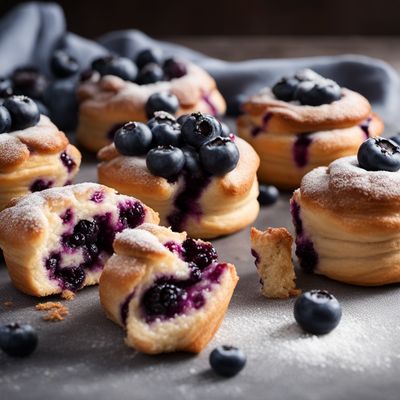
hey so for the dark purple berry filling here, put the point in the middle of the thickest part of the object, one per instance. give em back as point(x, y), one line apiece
point(187, 201)
point(199, 253)
point(67, 216)
point(40, 184)
point(131, 214)
point(256, 257)
point(365, 126)
point(300, 150)
point(125, 307)
point(258, 129)
point(68, 162)
point(174, 248)
point(97, 196)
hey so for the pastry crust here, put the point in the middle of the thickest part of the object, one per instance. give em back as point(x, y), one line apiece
point(140, 258)
point(227, 203)
point(108, 102)
point(35, 154)
point(281, 164)
point(31, 229)
point(351, 218)
point(273, 251)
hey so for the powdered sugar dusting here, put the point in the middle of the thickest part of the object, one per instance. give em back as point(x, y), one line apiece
point(142, 239)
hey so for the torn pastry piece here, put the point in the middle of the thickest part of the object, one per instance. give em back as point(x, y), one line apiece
point(272, 250)
point(168, 291)
point(59, 239)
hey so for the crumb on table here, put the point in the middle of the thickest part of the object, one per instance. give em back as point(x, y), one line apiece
point(67, 295)
point(56, 310)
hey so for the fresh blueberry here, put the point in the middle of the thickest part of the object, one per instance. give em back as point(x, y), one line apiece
point(317, 312)
point(165, 161)
point(219, 156)
point(133, 139)
point(225, 131)
point(318, 93)
point(150, 73)
point(6, 87)
point(5, 120)
point(162, 117)
point(268, 195)
point(181, 120)
point(200, 128)
point(192, 160)
point(379, 154)
point(63, 65)
point(163, 299)
point(60, 98)
point(395, 139)
point(23, 111)
point(174, 68)
point(162, 101)
point(285, 89)
point(87, 75)
point(118, 66)
point(227, 361)
point(165, 134)
point(18, 340)
point(28, 81)
point(148, 56)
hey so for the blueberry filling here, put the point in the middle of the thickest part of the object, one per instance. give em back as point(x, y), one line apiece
point(211, 105)
point(40, 184)
point(305, 251)
point(300, 150)
point(174, 248)
point(93, 239)
point(256, 257)
point(187, 200)
point(258, 129)
point(68, 162)
point(365, 127)
point(125, 308)
point(97, 196)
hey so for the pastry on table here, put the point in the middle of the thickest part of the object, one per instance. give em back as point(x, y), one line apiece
point(303, 122)
point(198, 179)
point(59, 239)
point(272, 250)
point(167, 291)
point(346, 216)
point(34, 154)
point(117, 91)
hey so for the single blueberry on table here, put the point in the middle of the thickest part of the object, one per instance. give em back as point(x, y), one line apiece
point(166, 134)
point(219, 156)
point(5, 120)
point(28, 81)
point(23, 111)
point(227, 361)
point(148, 56)
point(63, 65)
point(162, 101)
point(150, 73)
point(284, 89)
point(165, 161)
point(174, 68)
point(199, 128)
point(268, 195)
point(6, 87)
point(379, 154)
point(133, 139)
point(317, 312)
point(18, 340)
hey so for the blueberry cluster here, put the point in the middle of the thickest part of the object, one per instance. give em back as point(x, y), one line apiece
point(379, 154)
point(18, 112)
point(308, 88)
point(195, 143)
point(148, 67)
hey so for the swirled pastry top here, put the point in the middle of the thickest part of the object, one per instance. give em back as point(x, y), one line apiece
point(17, 146)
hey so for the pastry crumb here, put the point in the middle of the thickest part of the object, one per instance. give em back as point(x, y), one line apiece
point(67, 295)
point(56, 310)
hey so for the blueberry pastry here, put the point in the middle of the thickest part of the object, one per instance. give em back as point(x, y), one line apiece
point(34, 154)
point(272, 250)
point(168, 292)
point(303, 122)
point(346, 216)
point(118, 90)
point(59, 239)
point(198, 179)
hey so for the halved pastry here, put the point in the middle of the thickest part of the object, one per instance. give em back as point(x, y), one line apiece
point(60, 238)
point(168, 291)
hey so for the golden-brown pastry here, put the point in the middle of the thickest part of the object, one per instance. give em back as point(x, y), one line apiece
point(169, 292)
point(108, 102)
point(272, 250)
point(34, 159)
point(59, 239)
point(292, 138)
point(347, 223)
point(199, 203)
